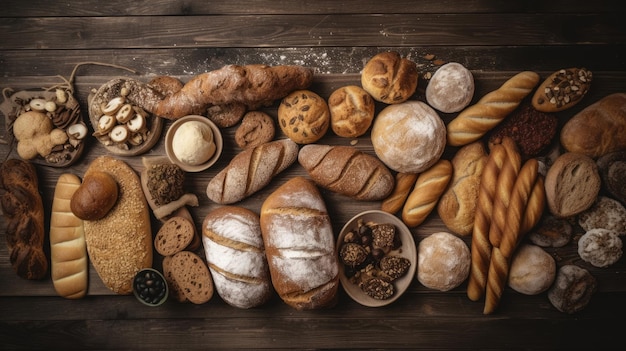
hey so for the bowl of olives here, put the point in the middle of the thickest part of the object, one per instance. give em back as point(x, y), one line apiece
point(150, 287)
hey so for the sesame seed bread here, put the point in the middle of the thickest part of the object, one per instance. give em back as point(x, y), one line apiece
point(120, 244)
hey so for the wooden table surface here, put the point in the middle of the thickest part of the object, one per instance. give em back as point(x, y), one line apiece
point(41, 40)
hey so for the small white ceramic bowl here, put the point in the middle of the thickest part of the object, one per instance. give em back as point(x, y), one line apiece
point(407, 250)
point(217, 139)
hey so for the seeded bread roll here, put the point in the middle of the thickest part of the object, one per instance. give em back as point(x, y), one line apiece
point(351, 111)
point(303, 116)
point(299, 244)
point(347, 171)
point(68, 251)
point(572, 184)
point(389, 78)
point(451, 88)
point(234, 250)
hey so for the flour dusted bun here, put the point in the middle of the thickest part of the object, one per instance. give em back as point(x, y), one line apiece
point(390, 78)
point(351, 111)
point(572, 289)
point(234, 250)
point(443, 261)
point(600, 247)
point(605, 213)
point(300, 245)
point(409, 137)
point(451, 88)
point(532, 270)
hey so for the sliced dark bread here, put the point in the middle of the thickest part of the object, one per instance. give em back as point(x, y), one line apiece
point(176, 234)
point(192, 275)
point(174, 289)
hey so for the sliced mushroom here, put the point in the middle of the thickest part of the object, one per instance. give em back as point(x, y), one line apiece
point(137, 123)
point(38, 104)
point(106, 123)
point(124, 114)
point(113, 105)
point(119, 134)
point(77, 131)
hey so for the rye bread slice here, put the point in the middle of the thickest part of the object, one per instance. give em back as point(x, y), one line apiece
point(174, 289)
point(192, 275)
point(174, 236)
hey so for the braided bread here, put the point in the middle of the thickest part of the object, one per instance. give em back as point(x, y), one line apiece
point(481, 247)
point(428, 189)
point(403, 185)
point(476, 120)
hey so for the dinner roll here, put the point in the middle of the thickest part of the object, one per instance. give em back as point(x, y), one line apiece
point(443, 261)
point(303, 116)
point(390, 78)
point(409, 137)
point(351, 111)
point(451, 88)
point(532, 270)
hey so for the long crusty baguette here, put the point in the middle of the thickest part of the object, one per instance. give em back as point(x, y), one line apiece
point(347, 171)
point(68, 250)
point(22, 207)
point(481, 246)
point(476, 120)
point(501, 255)
point(427, 191)
point(251, 170)
point(252, 85)
point(403, 185)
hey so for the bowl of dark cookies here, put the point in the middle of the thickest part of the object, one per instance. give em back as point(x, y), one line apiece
point(377, 258)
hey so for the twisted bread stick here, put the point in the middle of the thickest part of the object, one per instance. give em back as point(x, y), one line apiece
point(428, 189)
point(404, 183)
point(473, 122)
point(506, 180)
point(481, 247)
point(501, 255)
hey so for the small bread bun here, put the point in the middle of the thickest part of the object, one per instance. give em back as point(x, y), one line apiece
point(605, 213)
point(389, 78)
point(226, 115)
point(612, 167)
point(572, 289)
point(304, 116)
point(451, 88)
point(600, 247)
point(532, 270)
point(551, 232)
point(256, 128)
point(443, 261)
point(95, 197)
point(351, 111)
point(409, 137)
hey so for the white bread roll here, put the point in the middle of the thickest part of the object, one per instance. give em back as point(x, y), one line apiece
point(409, 137)
point(299, 244)
point(532, 270)
point(234, 250)
point(443, 261)
point(451, 88)
point(68, 251)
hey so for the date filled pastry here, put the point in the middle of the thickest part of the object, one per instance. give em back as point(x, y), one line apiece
point(303, 116)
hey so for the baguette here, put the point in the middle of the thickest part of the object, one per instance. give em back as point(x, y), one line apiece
point(476, 120)
point(22, 207)
point(251, 170)
point(403, 185)
point(252, 85)
point(427, 191)
point(68, 250)
point(347, 171)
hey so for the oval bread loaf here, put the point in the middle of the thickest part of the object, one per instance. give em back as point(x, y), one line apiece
point(236, 256)
point(68, 251)
point(299, 244)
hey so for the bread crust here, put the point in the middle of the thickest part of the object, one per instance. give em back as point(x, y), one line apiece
point(428, 189)
point(403, 185)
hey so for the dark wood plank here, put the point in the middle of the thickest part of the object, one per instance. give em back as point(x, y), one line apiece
point(404, 30)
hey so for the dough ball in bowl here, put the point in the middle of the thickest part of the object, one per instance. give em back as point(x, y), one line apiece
point(409, 137)
point(443, 261)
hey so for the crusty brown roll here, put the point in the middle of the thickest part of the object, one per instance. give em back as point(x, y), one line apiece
point(303, 116)
point(351, 111)
point(390, 78)
point(68, 250)
point(22, 207)
point(256, 128)
point(116, 255)
point(476, 120)
point(403, 185)
point(299, 244)
point(95, 196)
point(234, 250)
point(457, 206)
point(347, 171)
point(251, 170)
point(427, 191)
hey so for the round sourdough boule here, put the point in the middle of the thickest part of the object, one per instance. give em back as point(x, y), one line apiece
point(303, 116)
point(451, 88)
point(600, 247)
point(532, 270)
point(409, 137)
point(95, 197)
point(389, 78)
point(572, 289)
point(572, 184)
point(351, 111)
point(605, 213)
point(443, 261)
point(256, 128)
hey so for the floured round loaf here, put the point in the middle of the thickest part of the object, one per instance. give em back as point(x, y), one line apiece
point(443, 261)
point(451, 88)
point(120, 243)
point(299, 244)
point(532, 270)
point(409, 137)
point(234, 250)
